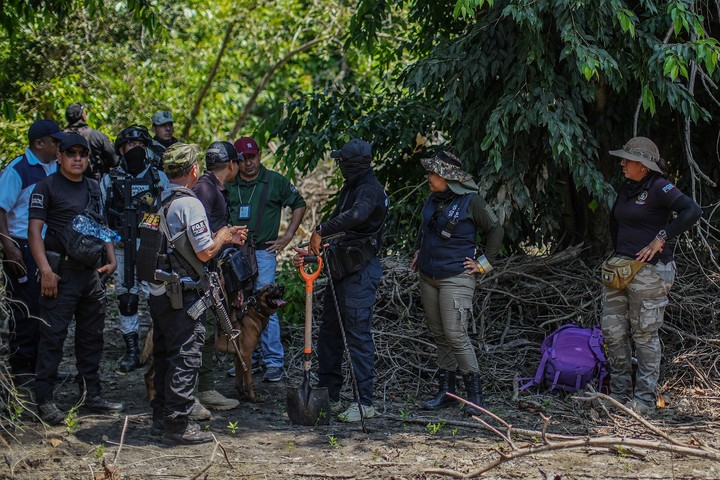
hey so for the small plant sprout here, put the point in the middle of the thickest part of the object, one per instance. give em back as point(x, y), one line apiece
point(99, 451)
point(233, 426)
point(433, 428)
point(333, 442)
point(71, 423)
point(404, 414)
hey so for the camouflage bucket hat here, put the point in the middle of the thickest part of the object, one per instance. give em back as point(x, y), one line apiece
point(179, 156)
point(447, 165)
point(642, 150)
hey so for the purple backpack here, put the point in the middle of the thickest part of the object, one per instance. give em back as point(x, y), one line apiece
point(571, 358)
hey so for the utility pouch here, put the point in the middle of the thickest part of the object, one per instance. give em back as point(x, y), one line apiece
point(342, 260)
point(53, 259)
point(84, 249)
point(618, 272)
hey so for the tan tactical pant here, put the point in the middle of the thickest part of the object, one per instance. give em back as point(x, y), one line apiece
point(448, 308)
point(636, 312)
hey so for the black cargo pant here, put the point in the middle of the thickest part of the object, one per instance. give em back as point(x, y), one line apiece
point(80, 295)
point(25, 291)
point(177, 348)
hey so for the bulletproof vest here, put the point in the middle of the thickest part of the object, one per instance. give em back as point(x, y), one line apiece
point(155, 251)
point(143, 191)
point(448, 236)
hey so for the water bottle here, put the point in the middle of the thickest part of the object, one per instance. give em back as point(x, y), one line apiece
point(86, 226)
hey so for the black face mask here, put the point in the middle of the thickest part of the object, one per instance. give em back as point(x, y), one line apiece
point(135, 160)
point(350, 168)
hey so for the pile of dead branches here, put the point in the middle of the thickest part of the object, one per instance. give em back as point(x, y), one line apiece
point(524, 299)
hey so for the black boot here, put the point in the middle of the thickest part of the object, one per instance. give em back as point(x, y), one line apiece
point(95, 402)
point(179, 431)
point(446, 382)
point(158, 423)
point(474, 392)
point(131, 360)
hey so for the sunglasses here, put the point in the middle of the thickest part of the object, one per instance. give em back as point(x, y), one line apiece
point(77, 153)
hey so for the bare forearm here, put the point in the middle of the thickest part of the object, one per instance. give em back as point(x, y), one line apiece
point(295, 220)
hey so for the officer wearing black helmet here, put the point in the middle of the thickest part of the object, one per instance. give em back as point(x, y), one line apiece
point(127, 192)
point(221, 161)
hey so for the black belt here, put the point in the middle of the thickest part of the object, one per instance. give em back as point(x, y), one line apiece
point(19, 241)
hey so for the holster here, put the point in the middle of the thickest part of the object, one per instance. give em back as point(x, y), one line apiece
point(53, 259)
point(174, 292)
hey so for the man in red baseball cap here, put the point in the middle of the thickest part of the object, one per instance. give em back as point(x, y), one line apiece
point(257, 198)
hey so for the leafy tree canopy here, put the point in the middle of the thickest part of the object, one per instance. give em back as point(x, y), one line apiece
point(531, 95)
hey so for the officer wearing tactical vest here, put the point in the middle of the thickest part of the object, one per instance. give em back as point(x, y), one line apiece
point(175, 245)
point(127, 192)
point(16, 184)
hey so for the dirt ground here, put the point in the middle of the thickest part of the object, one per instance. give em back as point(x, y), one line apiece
point(257, 441)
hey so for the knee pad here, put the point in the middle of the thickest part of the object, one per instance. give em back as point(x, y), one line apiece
point(128, 304)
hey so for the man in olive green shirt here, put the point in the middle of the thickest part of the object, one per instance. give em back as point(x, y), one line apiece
point(256, 199)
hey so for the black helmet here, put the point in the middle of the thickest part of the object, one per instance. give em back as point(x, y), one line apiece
point(221, 152)
point(132, 133)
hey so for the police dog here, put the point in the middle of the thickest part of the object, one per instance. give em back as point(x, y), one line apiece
point(250, 323)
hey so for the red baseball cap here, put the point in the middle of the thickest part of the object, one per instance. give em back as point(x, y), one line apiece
point(246, 145)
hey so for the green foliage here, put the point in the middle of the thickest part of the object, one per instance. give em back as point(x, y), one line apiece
point(333, 441)
point(294, 311)
point(232, 426)
point(434, 428)
point(531, 95)
point(99, 451)
point(71, 423)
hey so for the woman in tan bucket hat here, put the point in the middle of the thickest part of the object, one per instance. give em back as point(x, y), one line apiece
point(449, 261)
point(641, 228)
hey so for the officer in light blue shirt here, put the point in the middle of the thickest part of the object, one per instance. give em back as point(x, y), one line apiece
point(17, 181)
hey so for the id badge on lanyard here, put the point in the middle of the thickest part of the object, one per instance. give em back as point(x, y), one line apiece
point(244, 212)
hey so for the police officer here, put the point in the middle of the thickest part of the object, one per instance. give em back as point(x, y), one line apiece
point(360, 213)
point(16, 184)
point(221, 161)
point(68, 288)
point(163, 128)
point(177, 337)
point(127, 192)
point(102, 156)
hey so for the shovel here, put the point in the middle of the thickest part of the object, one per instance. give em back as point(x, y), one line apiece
point(308, 405)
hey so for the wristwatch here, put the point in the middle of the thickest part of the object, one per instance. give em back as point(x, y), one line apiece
point(662, 235)
point(318, 230)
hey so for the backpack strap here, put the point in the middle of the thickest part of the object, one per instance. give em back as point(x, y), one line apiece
point(180, 242)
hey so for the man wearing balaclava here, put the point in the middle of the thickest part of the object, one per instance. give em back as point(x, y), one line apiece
point(355, 275)
point(127, 192)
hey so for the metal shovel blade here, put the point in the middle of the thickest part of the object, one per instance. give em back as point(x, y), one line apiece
point(308, 405)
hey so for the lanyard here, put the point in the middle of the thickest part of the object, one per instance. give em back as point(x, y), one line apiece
point(251, 194)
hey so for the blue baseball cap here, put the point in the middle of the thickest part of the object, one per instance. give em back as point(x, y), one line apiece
point(44, 128)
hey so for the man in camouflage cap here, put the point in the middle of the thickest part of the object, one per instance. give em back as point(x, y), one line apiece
point(163, 129)
point(174, 331)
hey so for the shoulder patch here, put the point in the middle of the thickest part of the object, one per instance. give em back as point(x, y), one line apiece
point(37, 200)
point(293, 189)
point(668, 187)
point(198, 228)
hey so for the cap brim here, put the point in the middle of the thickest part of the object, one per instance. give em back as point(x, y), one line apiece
point(58, 135)
point(335, 154)
point(636, 158)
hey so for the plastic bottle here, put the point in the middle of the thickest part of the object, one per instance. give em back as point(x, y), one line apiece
point(87, 226)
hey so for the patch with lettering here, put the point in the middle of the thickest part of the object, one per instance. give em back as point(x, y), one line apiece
point(150, 221)
point(37, 200)
point(198, 228)
point(292, 188)
point(668, 187)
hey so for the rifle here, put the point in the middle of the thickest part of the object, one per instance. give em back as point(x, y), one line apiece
point(214, 298)
point(129, 222)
